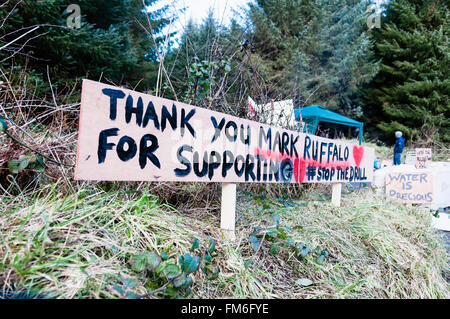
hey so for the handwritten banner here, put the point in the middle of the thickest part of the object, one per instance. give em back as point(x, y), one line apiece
point(410, 187)
point(126, 135)
point(423, 157)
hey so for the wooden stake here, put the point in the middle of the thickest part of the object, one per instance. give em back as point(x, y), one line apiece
point(336, 194)
point(228, 211)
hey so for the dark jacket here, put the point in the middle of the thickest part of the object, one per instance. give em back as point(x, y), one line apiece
point(399, 145)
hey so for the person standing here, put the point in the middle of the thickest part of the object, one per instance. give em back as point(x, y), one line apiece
point(398, 148)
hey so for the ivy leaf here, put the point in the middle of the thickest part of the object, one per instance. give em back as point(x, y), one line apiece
point(153, 261)
point(215, 274)
point(129, 283)
point(282, 234)
point(171, 271)
point(207, 258)
point(304, 250)
point(255, 242)
point(14, 165)
point(188, 282)
point(274, 249)
point(18, 165)
point(190, 264)
point(272, 232)
point(253, 239)
point(212, 246)
point(171, 292)
point(164, 256)
point(179, 281)
point(119, 290)
point(38, 164)
point(131, 295)
point(3, 126)
point(305, 282)
point(139, 262)
point(195, 244)
point(322, 257)
point(40, 161)
point(291, 242)
point(160, 269)
point(207, 268)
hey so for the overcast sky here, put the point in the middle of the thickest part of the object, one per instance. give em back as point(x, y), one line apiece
point(198, 10)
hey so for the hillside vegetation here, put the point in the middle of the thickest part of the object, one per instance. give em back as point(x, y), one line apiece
point(83, 245)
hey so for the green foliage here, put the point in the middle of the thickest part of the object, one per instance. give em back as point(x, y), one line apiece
point(41, 237)
point(125, 290)
point(25, 161)
point(149, 261)
point(411, 91)
point(205, 64)
point(276, 239)
point(171, 279)
point(110, 44)
point(28, 161)
point(203, 74)
point(189, 264)
point(316, 52)
point(195, 245)
point(339, 59)
point(3, 126)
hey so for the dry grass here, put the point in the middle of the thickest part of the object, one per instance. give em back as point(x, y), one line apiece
point(79, 246)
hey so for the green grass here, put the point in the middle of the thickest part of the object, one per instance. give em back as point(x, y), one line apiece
point(80, 245)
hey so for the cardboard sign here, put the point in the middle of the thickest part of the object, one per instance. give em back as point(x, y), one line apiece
point(423, 157)
point(415, 187)
point(130, 136)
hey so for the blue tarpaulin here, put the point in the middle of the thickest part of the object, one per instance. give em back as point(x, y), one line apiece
point(314, 114)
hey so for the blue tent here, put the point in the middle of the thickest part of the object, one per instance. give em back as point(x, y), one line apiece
point(314, 114)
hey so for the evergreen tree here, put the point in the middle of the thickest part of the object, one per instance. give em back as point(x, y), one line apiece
point(110, 45)
point(411, 91)
point(337, 59)
point(315, 51)
point(277, 30)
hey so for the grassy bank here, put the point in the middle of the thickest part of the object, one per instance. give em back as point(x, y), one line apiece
point(82, 245)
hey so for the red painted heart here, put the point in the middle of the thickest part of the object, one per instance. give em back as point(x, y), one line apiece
point(358, 153)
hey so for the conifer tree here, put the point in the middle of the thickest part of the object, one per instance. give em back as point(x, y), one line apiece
point(110, 45)
point(411, 91)
point(315, 51)
point(338, 59)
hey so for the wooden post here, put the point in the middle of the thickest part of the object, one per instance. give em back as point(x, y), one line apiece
point(336, 194)
point(228, 211)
